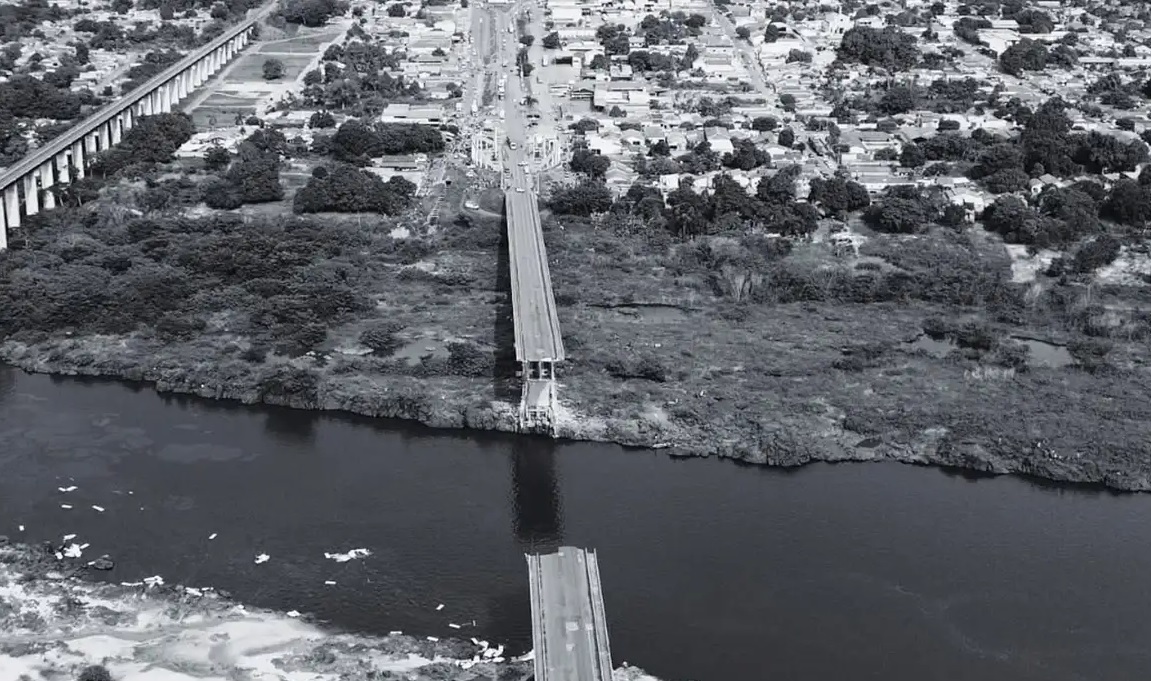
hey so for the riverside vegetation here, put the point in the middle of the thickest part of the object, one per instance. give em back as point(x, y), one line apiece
point(718, 340)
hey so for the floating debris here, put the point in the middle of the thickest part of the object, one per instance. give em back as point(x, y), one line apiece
point(439, 607)
point(66, 506)
point(395, 633)
point(212, 536)
point(193, 592)
point(154, 581)
point(350, 555)
point(329, 582)
point(453, 626)
point(70, 488)
point(97, 508)
point(262, 558)
point(69, 537)
point(433, 639)
point(293, 613)
point(21, 528)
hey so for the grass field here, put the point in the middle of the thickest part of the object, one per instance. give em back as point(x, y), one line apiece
point(250, 68)
point(299, 45)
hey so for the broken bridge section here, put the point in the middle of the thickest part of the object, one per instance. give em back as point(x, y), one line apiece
point(569, 628)
point(538, 341)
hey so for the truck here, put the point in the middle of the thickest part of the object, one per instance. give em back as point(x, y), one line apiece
point(475, 108)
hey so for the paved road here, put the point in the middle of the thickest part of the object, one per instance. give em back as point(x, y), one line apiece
point(570, 632)
point(537, 327)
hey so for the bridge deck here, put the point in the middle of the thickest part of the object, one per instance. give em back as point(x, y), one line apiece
point(569, 628)
point(537, 326)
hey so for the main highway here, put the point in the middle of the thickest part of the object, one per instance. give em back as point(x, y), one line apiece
point(537, 330)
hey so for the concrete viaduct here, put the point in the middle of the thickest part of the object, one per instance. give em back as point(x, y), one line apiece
point(28, 187)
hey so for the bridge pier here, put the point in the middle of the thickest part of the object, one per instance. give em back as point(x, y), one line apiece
point(29, 186)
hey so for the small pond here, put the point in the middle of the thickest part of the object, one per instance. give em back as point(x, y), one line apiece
point(1041, 353)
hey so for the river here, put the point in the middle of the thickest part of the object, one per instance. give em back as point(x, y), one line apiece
point(712, 571)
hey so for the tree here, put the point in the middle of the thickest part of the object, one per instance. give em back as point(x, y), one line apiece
point(96, 672)
point(273, 69)
point(888, 47)
point(771, 34)
point(347, 189)
point(764, 123)
point(585, 198)
point(912, 156)
point(896, 216)
point(312, 13)
point(796, 56)
point(839, 195)
point(397, 10)
point(1025, 55)
point(590, 163)
point(217, 158)
point(122, 6)
point(898, 99)
point(599, 62)
point(321, 119)
point(551, 41)
point(743, 33)
point(527, 40)
point(786, 137)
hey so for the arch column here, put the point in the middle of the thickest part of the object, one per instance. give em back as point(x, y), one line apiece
point(47, 181)
point(78, 158)
point(11, 208)
point(63, 171)
point(31, 194)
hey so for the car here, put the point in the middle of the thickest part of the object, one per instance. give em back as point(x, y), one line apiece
point(523, 164)
point(520, 189)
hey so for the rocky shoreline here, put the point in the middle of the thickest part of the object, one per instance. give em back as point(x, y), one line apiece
point(54, 623)
point(451, 403)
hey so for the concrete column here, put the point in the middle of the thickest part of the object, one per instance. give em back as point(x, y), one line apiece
point(31, 194)
point(62, 171)
point(47, 181)
point(182, 85)
point(78, 158)
point(105, 142)
point(115, 132)
point(127, 119)
point(11, 208)
point(90, 143)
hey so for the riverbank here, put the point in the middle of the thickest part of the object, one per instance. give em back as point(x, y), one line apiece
point(699, 348)
point(829, 384)
point(55, 623)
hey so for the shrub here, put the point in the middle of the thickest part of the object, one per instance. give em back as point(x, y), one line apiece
point(217, 158)
point(1090, 353)
point(96, 672)
point(273, 69)
point(382, 338)
point(466, 359)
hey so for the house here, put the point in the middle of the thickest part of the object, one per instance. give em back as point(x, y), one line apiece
point(405, 163)
point(408, 113)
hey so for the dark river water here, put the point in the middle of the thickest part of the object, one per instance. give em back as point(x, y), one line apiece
point(712, 571)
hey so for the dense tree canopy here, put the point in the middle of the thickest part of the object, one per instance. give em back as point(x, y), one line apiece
point(889, 48)
point(344, 188)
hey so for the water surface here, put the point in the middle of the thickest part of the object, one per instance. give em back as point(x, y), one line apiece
point(712, 571)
